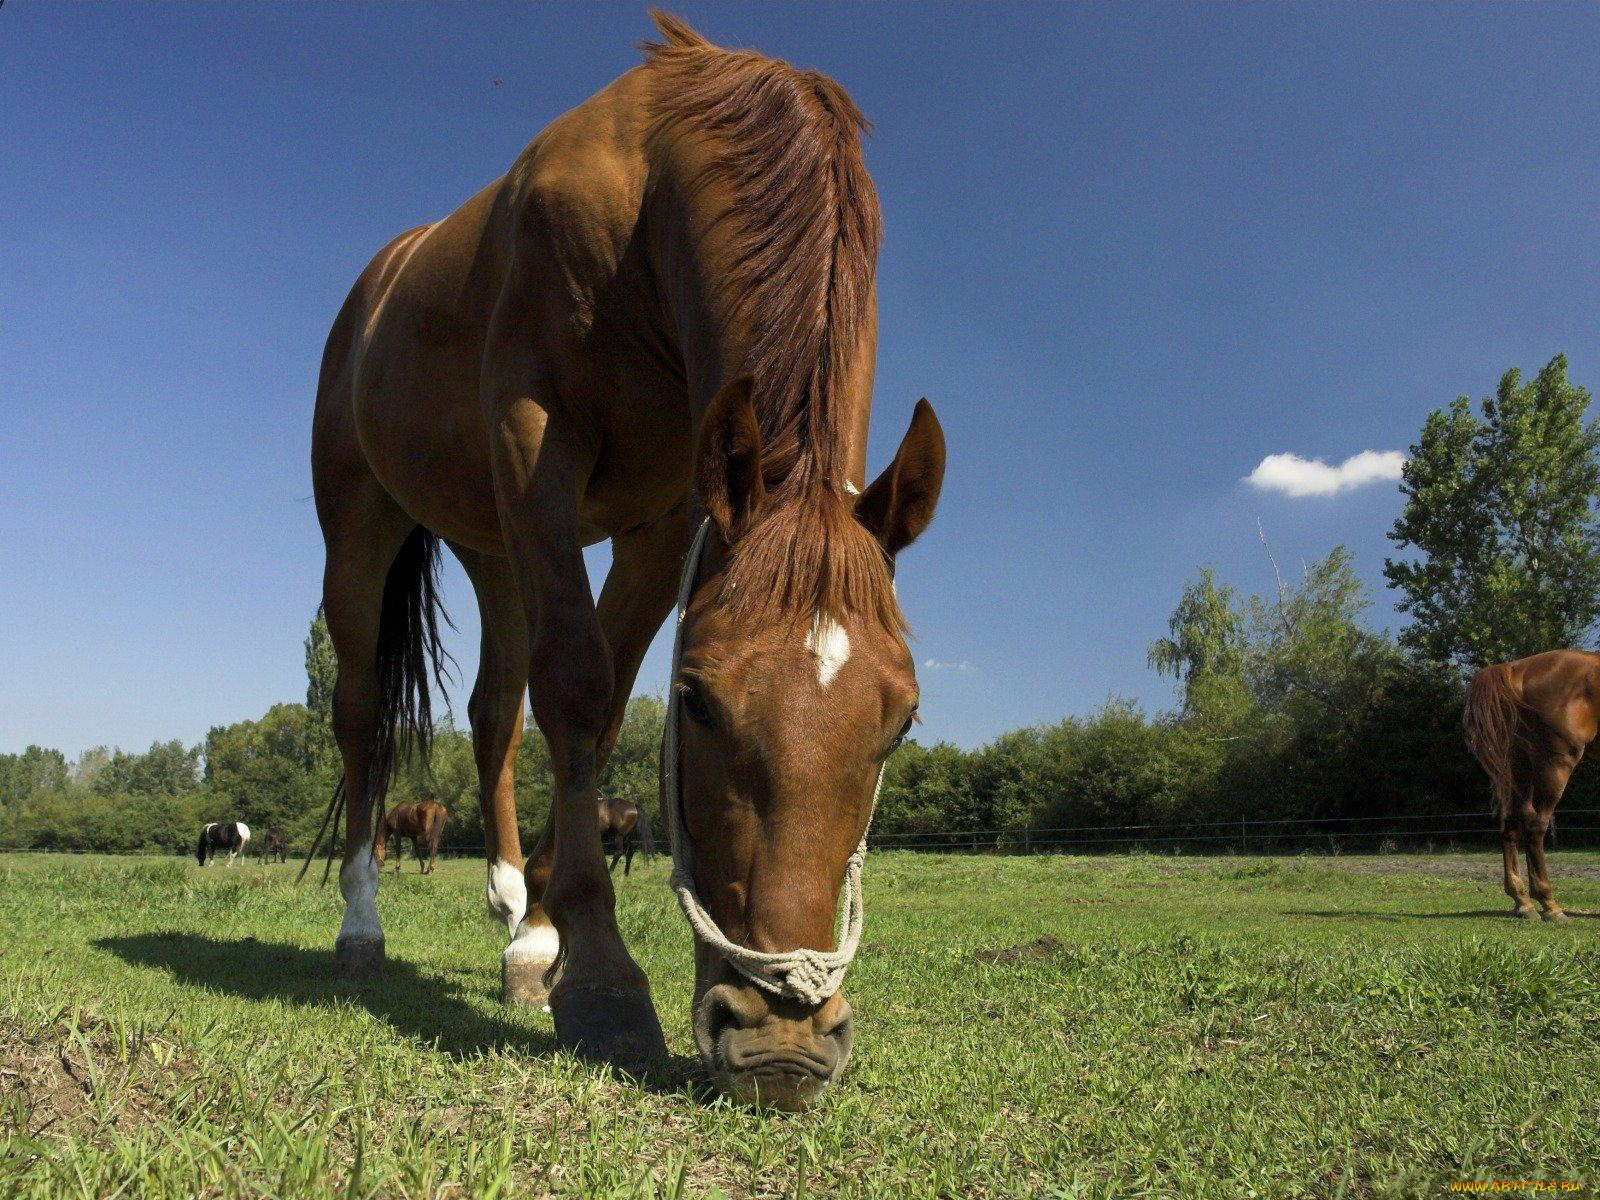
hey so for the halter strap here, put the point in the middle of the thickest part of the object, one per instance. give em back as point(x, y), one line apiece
point(809, 976)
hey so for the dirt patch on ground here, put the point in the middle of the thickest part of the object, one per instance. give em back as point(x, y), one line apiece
point(1039, 950)
point(68, 1078)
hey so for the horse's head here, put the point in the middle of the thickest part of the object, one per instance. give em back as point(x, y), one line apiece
point(794, 686)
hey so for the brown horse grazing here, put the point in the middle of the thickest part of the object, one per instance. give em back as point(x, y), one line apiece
point(423, 823)
point(1528, 723)
point(274, 846)
point(664, 310)
point(628, 826)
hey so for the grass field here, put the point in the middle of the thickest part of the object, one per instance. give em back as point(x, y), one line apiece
point(1197, 1027)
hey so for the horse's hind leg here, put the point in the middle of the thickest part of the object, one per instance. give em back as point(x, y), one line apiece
point(1549, 782)
point(1510, 832)
point(435, 835)
point(364, 530)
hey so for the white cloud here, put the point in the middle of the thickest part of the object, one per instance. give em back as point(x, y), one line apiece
point(1296, 476)
point(933, 664)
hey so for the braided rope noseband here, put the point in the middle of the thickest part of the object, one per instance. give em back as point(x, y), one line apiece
point(809, 976)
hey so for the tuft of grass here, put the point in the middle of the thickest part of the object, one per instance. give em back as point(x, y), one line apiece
point(1062, 1027)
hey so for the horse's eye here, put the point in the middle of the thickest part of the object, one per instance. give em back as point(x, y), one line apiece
point(694, 704)
point(905, 730)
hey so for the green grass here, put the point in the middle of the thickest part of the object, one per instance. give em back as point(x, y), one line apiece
point(1206, 1027)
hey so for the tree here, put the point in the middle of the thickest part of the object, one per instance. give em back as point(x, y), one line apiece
point(166, 769)
point(1501, 518)
point(1311, 647)
point(322, 674)
point(1206, 635)
point(34, 772)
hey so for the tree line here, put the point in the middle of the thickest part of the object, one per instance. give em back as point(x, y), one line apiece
point(1288, 705)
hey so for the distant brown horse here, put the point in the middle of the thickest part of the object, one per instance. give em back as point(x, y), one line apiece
point(665, 312)
point(274, 845)
point(628, 826)
point(1528, 723)
point(423, 823)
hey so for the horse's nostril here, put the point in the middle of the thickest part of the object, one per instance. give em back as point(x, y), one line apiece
point(835, 1020)
point(725, 1008)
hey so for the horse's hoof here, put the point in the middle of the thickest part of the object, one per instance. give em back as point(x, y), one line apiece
point(358, 958)
point(1525, 912)
point(522, 982)
point(614, 1025)
point(1556, 917)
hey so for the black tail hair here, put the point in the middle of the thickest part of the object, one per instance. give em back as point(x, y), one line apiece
point(409, 651)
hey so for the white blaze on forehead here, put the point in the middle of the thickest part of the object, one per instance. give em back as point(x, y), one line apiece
point(831, 645)
point(508, 894)
point(358, 882)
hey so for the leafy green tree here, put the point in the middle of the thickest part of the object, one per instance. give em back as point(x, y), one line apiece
point(1206, 637)
point(34, 772)
point(634, 769)
point(1500, 517)
point(1312, 651)
point(166, 769)
point(322, 674)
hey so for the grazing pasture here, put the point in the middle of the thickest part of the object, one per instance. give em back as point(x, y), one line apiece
point(1052, 1026)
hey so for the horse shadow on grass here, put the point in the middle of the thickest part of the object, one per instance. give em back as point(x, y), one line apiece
point(431, 1007)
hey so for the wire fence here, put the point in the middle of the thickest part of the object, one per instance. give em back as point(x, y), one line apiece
point(1425, 832)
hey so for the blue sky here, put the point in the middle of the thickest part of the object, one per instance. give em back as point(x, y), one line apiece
point(1131, 251)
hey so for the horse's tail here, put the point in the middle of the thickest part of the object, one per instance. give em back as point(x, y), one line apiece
point(335, 807)
point(1490, 719)
point(409, 651)
point(647, 837)
point(200, 846)
point(436, 819)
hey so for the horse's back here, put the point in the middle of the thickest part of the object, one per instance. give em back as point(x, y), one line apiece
point(1563, 688)
point(554, 242)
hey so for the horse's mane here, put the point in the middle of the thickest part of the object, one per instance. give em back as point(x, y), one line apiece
point(805, 229)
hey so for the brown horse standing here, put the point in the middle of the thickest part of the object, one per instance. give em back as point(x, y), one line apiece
point(274, 845)
point(423, 823)
point(664, 311)
point(629, 826)
point(1528, 723)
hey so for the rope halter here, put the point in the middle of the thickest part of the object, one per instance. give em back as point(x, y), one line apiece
point(806, 975)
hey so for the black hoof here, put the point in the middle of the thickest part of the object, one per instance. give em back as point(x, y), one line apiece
point(522, 982)
point(614, 1025)
point(358, 958)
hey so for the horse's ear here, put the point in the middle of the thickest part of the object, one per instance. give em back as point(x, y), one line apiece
point(900, 503)
point(727, 472)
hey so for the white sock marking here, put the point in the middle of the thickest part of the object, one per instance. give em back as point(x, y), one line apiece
point(831, 645)
point(358, 882)
point(507, 894)
point(538, 943)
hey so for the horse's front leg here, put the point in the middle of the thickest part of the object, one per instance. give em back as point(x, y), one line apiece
point(601, 1001)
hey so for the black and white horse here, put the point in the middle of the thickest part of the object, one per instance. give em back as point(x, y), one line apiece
point(232, 836)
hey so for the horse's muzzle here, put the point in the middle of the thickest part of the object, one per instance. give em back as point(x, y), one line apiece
point(769, 1051)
